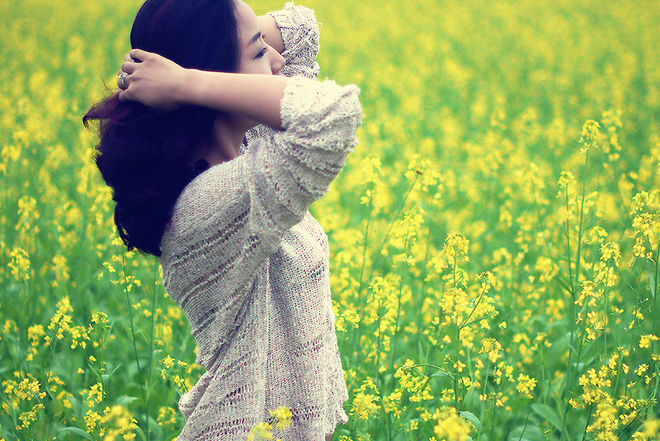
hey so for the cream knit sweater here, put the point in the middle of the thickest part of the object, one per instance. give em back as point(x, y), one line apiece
point(248, 264)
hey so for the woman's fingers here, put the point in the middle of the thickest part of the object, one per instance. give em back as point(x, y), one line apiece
point(149, 79)
point(122, 95)
point(131, 60)
point(138, 55)
point(128, 67)
point(122, 82)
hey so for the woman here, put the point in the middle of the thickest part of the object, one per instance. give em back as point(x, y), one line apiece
point(228, 218)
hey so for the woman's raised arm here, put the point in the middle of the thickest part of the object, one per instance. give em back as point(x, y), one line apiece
point(162, 84)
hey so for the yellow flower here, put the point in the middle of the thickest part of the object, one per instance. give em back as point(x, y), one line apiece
point(525, 385)
point(492, 347)
point(652, 428)
point(450, 426)
point(19, 264)
point(99, 317)
point(456, 248)
point(261, 431)
point(30, 416)
point(95, 393)
point(166, 416)
point(119, 421)
point(590, 135)
point(93, 419)
point(459, 366)
point(645, 340)
point(566, 178)
point(168, 362)
point(283, 416)
point(364, 405)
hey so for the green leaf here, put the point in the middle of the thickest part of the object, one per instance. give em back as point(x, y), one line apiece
point(75, 431)
point(471, 418)
point(548, 414)
point(442, 374)
point(652, 285)
point(125, 400)
point(140, 432)
point(526, 433)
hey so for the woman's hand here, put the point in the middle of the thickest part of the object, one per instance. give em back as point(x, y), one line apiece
point(152, 80)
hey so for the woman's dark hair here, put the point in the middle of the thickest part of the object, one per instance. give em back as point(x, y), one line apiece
point(145, 155)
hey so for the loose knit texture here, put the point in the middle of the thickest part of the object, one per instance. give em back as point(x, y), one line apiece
point(249, 266)
point(300, 33)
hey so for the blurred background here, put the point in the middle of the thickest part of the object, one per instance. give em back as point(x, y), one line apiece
point(494, 237)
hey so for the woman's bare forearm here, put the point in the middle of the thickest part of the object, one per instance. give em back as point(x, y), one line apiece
point(257, 97)
point(162, 84)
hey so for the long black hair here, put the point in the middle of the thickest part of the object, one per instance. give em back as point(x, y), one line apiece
point(145, 155)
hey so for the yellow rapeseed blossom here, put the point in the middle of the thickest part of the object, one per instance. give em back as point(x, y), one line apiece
point(27, 214)
point(168, 362)
point(364, 405)
point(450, 426)
point(95, 394)
point(605, 422)
point(262, 431)
point(61, 270)
point(493, 348)
point(166, 416)
point(525, 385)
point(119, 422)
point(645, 340)
point(93, 420)
point(456, 248)
point(283, 417)
point(19, 264)
point(444, 147)
point(651, 428)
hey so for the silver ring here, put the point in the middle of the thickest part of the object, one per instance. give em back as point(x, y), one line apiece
point(121, 78)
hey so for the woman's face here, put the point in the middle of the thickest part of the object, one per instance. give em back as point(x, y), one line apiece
point(256, 56)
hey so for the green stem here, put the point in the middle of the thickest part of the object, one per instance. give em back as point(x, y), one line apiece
point(423, 286)
point(525, 426)
point(135, 351)
point(396, 216)
point(358, 336)
point(373, 267)
point(380, 339)
point(586, 425)
point(154, 308)
point(398, 310)
point(570, 374)
point(467, 321)
point(458, 339)
point(654, 329)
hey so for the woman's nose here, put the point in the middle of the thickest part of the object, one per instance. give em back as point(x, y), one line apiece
point(277, 62)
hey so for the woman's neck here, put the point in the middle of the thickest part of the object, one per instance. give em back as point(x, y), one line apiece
point(226, 142)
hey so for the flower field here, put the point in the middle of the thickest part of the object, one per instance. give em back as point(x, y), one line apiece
point(494, 237)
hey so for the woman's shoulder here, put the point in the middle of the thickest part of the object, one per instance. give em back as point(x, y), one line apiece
point(217, 192)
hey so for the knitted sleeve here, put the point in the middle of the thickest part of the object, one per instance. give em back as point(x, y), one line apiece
point(300, 33)
point(232, 217)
